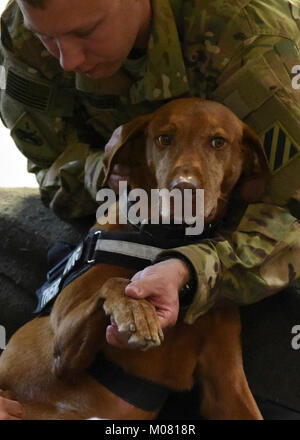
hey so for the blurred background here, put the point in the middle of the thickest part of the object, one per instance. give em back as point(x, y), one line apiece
point(13, 171)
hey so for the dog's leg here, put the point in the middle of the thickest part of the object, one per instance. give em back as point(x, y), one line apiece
point(79, 323)
point(80, 317)
point(225, 390)
point(78, 337)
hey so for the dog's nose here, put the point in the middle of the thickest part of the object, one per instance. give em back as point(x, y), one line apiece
point(183, 183)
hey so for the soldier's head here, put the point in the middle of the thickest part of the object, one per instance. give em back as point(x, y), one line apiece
point(91, 36)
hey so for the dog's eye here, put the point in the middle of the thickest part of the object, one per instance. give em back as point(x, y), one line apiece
point(218, 142)
point(164, 139)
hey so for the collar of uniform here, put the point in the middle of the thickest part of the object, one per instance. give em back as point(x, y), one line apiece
point(165, 74)
point(135, 67)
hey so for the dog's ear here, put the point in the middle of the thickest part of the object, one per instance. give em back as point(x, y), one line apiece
point(127, 145)
point(256, 173)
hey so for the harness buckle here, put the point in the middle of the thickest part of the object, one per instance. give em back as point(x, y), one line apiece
point(91, 248)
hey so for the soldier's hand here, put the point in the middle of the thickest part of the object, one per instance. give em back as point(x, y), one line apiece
point(10, 409)
point(159, 284)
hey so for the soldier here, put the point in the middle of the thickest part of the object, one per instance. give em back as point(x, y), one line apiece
point(78, 70)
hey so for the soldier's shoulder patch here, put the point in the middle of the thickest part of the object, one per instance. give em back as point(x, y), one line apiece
point(30, 140)
point(279, 146)
point(32, 93)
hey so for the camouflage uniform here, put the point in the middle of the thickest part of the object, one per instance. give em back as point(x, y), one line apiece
point(238, 52)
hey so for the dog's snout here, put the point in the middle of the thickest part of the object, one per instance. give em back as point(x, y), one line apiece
point(183, 183)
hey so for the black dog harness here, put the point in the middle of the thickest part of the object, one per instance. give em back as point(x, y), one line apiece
point(134, 250)
point(129, 249)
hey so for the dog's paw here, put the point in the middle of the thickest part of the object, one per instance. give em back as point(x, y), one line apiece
point(134, 317)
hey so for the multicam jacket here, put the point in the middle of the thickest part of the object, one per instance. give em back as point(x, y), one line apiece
point(241, 53)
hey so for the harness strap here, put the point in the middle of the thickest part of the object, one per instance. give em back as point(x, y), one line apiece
point(135, 250)
point(141, 393)
point(120, 249)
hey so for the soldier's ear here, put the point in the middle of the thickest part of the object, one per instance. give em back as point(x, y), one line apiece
point(127, 145)
point(256, 173)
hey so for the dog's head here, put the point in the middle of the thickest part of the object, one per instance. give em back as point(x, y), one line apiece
point(193, 144)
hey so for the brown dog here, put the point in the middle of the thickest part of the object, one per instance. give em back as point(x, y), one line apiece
point(188, 143)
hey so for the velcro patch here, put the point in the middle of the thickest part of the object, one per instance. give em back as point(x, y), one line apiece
point(31, 141)
point(279, 146)
point(34, 94)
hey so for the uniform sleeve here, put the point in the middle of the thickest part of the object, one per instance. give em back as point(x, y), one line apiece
point(64, 165)
point(262, 255)
point(47, 122)
point(67, 185)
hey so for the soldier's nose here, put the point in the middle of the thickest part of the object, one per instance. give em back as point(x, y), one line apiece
point(71, 55)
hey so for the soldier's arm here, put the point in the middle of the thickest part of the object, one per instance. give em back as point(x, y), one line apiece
point(263, 255)
point(259, 259)
point(47, 122)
